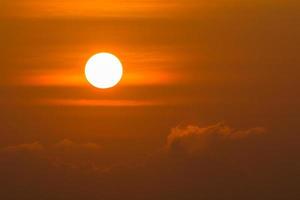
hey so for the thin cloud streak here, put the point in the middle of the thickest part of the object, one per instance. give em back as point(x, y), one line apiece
point(63, 78)
point(98, 103)
point(89, 8)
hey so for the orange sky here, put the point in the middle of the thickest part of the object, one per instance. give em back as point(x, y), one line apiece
point(208, 107)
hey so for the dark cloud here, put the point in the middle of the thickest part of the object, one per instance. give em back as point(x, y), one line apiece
point(66, 154)
point(226, 163)
point(193, 139)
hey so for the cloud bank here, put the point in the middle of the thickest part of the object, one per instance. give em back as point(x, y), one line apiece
point(199, 162)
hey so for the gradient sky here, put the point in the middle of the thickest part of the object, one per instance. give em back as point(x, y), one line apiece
point(208, 107)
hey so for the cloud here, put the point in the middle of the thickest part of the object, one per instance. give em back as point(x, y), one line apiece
point(28, 147)
point(193, 139)
point(64, 154)
point(63, 144)
point(69, 144)
point(251, 168)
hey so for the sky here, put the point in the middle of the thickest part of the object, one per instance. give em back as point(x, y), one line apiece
point(208, 106)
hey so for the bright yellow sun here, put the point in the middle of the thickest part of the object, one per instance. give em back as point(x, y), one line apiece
point(103, 70)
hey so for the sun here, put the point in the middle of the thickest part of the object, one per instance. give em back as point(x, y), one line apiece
point(103, 70)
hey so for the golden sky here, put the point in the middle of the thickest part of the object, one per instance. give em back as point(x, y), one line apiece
point(208, 107)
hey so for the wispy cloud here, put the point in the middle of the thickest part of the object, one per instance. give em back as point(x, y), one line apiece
point(98, 103)
point(89, 8)
point(29, 147)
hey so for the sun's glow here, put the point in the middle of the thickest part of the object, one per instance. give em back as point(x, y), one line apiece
point(103, 70)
